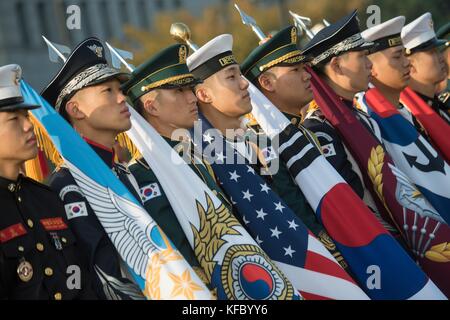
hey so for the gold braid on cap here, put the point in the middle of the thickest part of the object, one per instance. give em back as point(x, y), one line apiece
point(283, 59)
point(176, 80)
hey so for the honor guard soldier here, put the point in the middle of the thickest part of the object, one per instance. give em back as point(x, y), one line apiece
point(443, 33)
point(390, 66)
point(340, 59)
point(277, 69)
point(161, 90)
point(38, 252)
point(428, 68)
point(87, 93)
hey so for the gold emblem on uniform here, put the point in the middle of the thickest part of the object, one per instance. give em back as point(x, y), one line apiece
point(25, 271)
point(182, 54)
point(294, 35)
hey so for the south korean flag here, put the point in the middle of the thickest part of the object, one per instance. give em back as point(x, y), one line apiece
point(149, 192)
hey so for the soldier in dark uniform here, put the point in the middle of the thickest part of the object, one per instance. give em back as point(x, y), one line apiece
point(444, 94)
point(39, 255)
point(86, 92)
point(428, 66)
point(340, 59)
point(161, 91)
point(277, 69)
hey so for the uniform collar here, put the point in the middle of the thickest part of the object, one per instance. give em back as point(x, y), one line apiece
point(348, 103)
point(294, 118)
point(10, 185)
point(107, 154)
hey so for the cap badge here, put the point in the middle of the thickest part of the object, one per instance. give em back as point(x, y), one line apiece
point(97, 50)
point(182, 54)
point(294, 35)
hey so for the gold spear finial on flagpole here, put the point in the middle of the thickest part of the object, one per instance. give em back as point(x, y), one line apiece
point(180, 32)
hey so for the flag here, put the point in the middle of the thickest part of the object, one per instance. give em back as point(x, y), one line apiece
point(438, 130)
point(235, 265)
point(156, 266)
point(424, 226)
point(366, 246)
point(281, 234)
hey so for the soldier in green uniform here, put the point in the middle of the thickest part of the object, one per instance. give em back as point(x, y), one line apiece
point(161, 91)
point(224, 101)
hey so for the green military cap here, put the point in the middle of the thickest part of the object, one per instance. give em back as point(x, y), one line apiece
point(165, 70)
point(281, 49)
point(443, 33)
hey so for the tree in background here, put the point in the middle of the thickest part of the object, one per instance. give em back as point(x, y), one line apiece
point(223, 18)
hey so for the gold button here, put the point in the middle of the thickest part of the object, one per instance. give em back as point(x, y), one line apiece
point(21, 249)
point(48, 271)
point(30, 223)
point(294, 121)
point(58, 296)
point(40, 246)
point(64, 240)
point(12, 187)
point(19, 199)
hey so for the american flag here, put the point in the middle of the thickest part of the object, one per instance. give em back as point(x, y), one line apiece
point(280, 233)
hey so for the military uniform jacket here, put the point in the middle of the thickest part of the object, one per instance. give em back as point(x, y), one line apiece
point(158, 206)
point(333, 149)
point(110, 281)
point(38, 252)
point(283, 184)
point(440, 106)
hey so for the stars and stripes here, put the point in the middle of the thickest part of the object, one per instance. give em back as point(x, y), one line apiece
point(281, 234)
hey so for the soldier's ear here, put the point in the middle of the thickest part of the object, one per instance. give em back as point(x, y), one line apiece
point(73, 110)
point(150, 105)
point(203, 94)
point(335, 65)
point(265, 81)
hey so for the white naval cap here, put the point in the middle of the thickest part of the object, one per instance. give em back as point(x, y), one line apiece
point(419, 35)
point(10, 94)
point(386, 34)
point(212, 57)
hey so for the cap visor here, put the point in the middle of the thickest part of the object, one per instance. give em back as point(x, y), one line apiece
point(20, 106)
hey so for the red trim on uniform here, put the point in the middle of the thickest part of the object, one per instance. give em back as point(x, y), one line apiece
point(12, 232)
point(53, 224)
point(98, 145)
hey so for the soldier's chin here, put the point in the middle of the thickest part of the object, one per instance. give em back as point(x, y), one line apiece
point(246, 107)
point(125, 126)
point(30, 153)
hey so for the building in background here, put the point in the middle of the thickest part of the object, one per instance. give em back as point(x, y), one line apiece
point(24, 21)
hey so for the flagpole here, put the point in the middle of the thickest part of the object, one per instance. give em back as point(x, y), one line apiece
point(114, 51)
point(298, 20)
point(181, 33)
point(51, 46)
point(247, 20)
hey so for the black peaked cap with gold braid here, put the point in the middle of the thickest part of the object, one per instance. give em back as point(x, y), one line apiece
point(165, 70)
